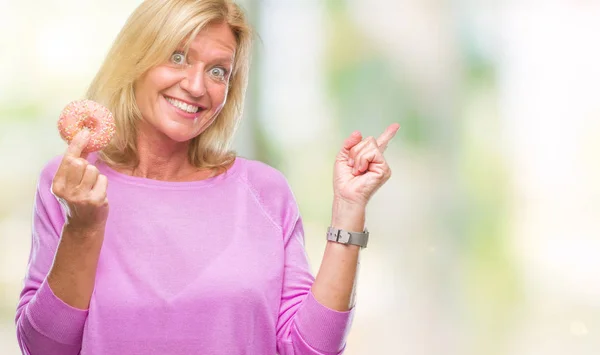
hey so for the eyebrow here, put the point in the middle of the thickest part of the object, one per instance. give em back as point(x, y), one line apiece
point(229, 59)
point(224, 59)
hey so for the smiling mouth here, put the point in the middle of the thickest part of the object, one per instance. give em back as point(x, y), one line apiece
point(183, 106)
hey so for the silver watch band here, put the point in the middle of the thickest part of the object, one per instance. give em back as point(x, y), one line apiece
point(344, 237)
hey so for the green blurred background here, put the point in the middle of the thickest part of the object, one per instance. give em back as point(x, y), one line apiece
point(487, 238)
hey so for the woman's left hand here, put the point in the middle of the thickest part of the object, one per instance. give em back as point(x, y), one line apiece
point(360, 168)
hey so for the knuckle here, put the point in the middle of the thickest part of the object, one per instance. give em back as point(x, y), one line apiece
point(91, 172)
point(103, 179)
point(79, 163)
point(57, 187)
point(67, 159)
point(72, 161)
point(75, 162)
point(388, 173)
point(91, 168)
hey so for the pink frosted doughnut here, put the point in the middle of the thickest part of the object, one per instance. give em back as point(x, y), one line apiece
point(82, 114)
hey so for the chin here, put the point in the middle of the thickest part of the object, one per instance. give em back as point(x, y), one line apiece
point(179, 137)
point(177, 132)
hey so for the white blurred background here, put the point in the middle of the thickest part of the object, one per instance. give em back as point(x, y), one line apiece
point(487, 238)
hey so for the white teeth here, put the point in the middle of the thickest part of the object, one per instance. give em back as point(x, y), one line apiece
point(182, 105)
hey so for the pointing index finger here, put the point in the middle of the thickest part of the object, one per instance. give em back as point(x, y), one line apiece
point(387, 136)
point(78, 143)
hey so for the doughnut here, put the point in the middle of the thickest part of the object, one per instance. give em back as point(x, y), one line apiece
point(81, 114)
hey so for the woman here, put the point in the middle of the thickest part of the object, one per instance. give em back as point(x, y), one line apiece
point(202, 251)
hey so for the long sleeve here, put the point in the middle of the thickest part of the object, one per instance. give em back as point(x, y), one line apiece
point(45, 324)
point(234, 280)
point(305, 327)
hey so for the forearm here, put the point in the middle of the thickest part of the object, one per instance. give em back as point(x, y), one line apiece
point(73, 272)
point(336, 279)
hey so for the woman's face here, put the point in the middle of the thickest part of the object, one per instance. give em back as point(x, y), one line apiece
point(181, 98)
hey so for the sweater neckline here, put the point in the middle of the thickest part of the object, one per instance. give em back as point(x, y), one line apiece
point(141, 181)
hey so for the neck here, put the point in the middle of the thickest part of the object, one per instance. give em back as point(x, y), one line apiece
point(161, 158)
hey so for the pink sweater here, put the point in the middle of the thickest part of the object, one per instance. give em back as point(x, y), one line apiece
point(216, 266)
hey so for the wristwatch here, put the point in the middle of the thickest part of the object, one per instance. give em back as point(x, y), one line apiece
point(345, 237)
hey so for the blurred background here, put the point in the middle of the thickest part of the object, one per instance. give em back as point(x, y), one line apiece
point(486, 240)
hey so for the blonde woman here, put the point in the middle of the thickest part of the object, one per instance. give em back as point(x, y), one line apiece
point(202, 252)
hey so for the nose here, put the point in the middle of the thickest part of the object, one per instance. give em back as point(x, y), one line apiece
point(193, 82)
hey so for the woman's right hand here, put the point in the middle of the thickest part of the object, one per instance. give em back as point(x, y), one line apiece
point(80, 188)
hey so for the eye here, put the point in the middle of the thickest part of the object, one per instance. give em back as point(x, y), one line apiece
point(178, 58)
point(218, 73)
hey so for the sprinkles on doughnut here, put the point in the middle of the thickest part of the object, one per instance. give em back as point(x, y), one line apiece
point(81, 114)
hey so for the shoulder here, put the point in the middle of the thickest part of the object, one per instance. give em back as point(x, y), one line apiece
point(262, 176)
point(271, 189)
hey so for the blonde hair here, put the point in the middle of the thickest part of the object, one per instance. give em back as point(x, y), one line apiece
point(150, 36)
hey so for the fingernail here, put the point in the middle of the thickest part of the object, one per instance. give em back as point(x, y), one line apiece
point(350, 162)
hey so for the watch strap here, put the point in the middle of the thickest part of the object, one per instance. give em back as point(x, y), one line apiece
point(345, 237)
